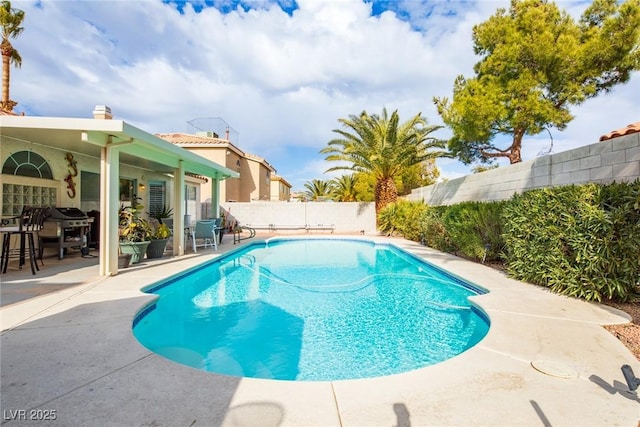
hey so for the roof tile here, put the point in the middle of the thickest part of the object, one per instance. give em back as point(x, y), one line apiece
point(629, 129)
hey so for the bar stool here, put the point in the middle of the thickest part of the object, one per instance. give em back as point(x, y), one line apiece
point(29, 225)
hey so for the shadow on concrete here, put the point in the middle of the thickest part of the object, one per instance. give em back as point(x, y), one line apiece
point(85, 365)
point(540, 413)
point(403, 417)
point(264, 414)
point(616, 387)
point(73, 270)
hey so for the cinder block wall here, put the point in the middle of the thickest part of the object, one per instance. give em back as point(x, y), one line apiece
point(345, 217)
point(616, 159)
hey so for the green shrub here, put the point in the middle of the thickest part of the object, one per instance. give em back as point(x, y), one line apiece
point(433, 232)
point(402, 217)
point(475, 229)
point(387, 218)
point(582, 241)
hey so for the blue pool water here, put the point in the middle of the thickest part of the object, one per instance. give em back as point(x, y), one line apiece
point(312, 309)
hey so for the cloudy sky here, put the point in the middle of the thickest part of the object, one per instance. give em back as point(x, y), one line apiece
point(280, 74)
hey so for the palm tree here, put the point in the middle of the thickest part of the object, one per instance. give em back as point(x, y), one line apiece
point(317, 189)
point(10, 21)
point(381, 146)
point(344, 189)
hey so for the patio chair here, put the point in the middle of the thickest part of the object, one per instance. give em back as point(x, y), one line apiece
point(204, 230)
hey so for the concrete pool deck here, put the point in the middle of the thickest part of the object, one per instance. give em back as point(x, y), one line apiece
point(67, 350)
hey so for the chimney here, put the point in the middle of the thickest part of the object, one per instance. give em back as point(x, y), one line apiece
point(102, 112)
point(227, 133)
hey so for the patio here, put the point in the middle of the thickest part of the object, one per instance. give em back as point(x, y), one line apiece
point(67, 350)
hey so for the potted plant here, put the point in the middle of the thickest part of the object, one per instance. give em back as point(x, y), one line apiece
point(135, 232)
point(161, 214)
point(159, 237)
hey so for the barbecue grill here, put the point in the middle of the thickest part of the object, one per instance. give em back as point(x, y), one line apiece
point(64, 228)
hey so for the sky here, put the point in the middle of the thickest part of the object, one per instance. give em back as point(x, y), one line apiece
point(280, 74)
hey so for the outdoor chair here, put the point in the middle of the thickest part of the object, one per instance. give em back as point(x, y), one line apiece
point(169, 223)
point(204, 230)
point(29, 225)
point(219, 229)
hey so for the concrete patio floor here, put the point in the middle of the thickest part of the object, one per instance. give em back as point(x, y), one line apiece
point(67, 352)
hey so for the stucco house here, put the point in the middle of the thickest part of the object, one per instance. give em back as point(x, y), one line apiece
point(256, 173)
point(280, 189)
point(99, 164)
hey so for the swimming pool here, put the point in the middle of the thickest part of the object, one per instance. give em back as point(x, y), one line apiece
point(312, 310)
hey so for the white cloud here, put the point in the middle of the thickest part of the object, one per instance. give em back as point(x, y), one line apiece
point(281, 80)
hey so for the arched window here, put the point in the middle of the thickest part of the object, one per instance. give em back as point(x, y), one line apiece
point(27, 163)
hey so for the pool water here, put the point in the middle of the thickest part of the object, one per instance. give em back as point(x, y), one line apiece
point(312, 310)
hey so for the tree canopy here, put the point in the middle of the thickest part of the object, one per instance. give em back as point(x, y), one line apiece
point(384, 147)
point(10, 27)
point(536, 62)
point(343, 188)
point(317, 189)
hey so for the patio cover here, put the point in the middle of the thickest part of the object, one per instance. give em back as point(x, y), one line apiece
point(116, 142)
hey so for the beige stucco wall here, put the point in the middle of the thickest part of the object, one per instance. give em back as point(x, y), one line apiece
point(345, 217)
point(260, 185)
point(231, 187)
point(280, 191)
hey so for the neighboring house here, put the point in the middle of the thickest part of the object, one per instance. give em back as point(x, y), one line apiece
point(280, 189)
point(628, 130)
point(100, 164)
point(255, 172)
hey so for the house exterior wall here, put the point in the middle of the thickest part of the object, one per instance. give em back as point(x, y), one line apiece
point(247, 180)
point(59, 166)
point(253, 182)
point(615, 159)
point(232, 186)
point(280, 191)
point(261, 176)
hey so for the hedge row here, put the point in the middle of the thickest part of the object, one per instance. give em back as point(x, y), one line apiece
point(470, 229)
point(578, 240)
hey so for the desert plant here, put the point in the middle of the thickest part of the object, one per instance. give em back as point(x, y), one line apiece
point(161, 213)
point(582, 241)
point(433, 232)
point(161, 231)
point(133, 228)
point(475, 229)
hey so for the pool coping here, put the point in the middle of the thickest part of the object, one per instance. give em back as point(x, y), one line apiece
point(73, 352)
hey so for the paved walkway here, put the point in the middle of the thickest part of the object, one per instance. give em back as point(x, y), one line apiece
point(68, 352)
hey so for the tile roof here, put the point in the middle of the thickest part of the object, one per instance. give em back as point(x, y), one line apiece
point(628, 130)
point(183, 138)
point(4, 112)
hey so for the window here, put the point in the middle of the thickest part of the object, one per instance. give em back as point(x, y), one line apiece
point(191, 192)
point(16, 195)
point(127, 192)
point(157, 197)
point(27, 163)
point(190, 201)
point(89, 191)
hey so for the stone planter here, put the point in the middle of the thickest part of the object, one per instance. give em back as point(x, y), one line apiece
point(136, 249)
point(156, 248)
